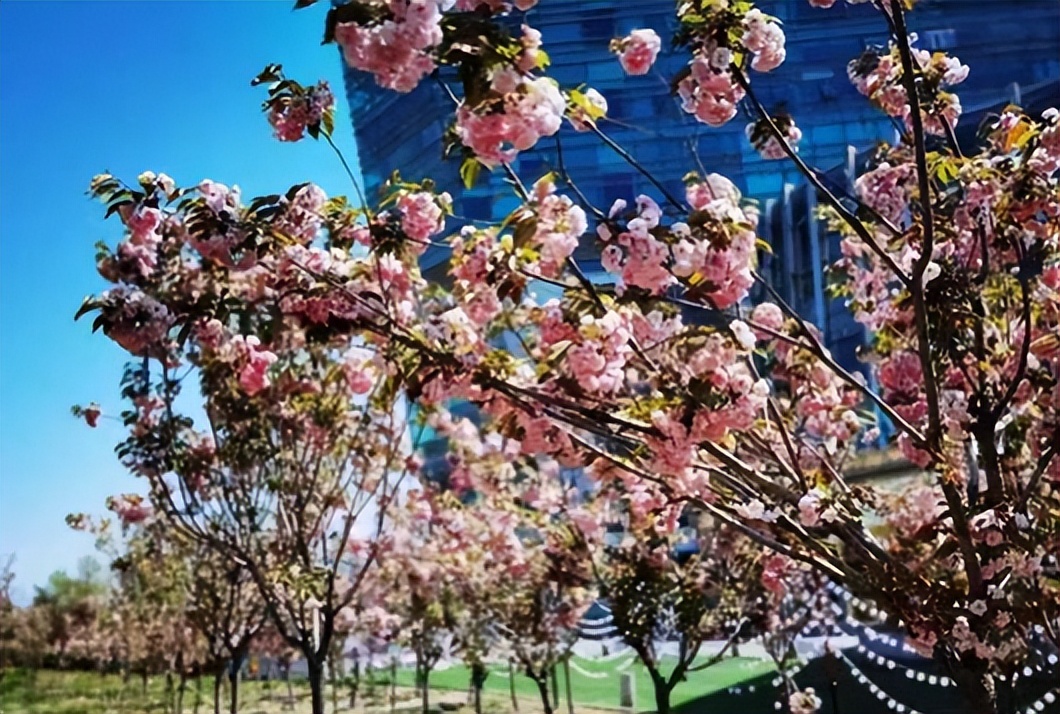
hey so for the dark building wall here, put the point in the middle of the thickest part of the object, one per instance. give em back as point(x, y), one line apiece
point(1004, 41)
point(1012, 47)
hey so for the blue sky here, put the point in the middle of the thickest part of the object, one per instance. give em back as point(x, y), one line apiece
point(123, 87)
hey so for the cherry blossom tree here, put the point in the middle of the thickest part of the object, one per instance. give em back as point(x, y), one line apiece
point(951, 260)
point(656, 591)
point(302, 449)
point(225, 608)
point(148, 623)
point(494, 558)
point(271, 644)
point(413, 602)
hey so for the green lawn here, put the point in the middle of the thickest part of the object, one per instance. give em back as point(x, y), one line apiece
point(53, 692)
point(602, 691)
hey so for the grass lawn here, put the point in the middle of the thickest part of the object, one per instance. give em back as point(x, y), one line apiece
point(595, 687)
point(601, 688)
point(53, 692)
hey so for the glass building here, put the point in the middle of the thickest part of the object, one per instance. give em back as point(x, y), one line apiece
point(1011, 46)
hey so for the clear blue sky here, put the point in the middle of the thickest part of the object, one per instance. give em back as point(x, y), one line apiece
point(123, 87)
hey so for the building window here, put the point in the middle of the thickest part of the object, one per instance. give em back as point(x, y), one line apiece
point(600, 26)
point(938, 39)
point(617, 185)
point(477, 206)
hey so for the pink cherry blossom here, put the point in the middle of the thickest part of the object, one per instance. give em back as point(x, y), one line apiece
point(91, 414)
point(422, 216)
point(131, 509)
point(359, 370)
point(765, 39)
point(804, 701)
point(559, 225)
point(708, 93)
point(521, 112)
point(637, 51)
point(397, 49)
point(253, 376)
point(291, 118)
point(303, 214)
point(767, 315)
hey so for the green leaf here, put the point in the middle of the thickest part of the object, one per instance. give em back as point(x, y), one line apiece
point(87, 305)
point(271, 73)
point(469, 171)
point(350, 12)
point(114, 208)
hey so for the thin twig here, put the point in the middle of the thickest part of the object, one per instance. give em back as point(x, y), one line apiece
point(916, 286)
point(614, 146)
point(811, 175)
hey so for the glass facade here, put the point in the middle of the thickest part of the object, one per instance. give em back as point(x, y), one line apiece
point(1008, 42)
point(1011, 46)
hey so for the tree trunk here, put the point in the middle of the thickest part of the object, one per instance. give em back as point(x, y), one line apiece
point(566, 679)
point(180, 692)
point(290, 690)
point(425, 691)
point(542, 689)
point(662, 692)
point(167, 695)
point(143, 682)
point(511, 686)
point(316, 685)
point(393, 685)
point(333, 675)
point(124, 691)
point(979, 688)
point(421, 681)
point(233, 692)
point(355, 680)
point(981, 695)
point(198, 692)
point(479, 673)
point(555, 688)
point(217, 678)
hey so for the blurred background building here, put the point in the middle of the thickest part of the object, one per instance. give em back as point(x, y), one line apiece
point(1011, 47)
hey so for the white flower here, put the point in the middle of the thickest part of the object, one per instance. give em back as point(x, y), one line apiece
point(743, 334)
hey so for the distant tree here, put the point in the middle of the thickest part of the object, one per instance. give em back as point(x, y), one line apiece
point(70, 606)
point(7, 612)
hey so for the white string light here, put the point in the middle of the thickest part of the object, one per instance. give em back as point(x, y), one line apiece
point(883, 696)
point(1049, 697)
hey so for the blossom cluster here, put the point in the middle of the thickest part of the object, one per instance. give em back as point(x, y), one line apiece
point(291, 116)
point(709, 92)
point(713, 252)
point(723, 40)
point(880, 76)
point(397, 47)
point(513, 118)
point(637, 50)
